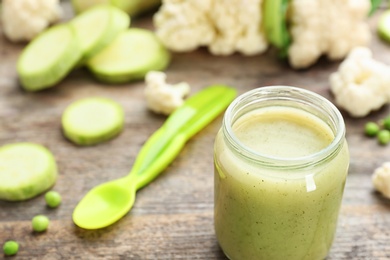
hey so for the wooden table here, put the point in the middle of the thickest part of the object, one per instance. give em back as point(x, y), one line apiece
point(173, 216)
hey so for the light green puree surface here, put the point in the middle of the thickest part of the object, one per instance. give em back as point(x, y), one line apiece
point(270, 213)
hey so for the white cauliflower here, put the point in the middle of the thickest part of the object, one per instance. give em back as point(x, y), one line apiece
point(225, 26)
point(24, 19)
point(317, 27)
point(326, 27)
point(361, 83)
point(381, 179)
point(183, 25)
point(163, 98)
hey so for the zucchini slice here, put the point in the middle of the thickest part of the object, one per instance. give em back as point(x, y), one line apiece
point(26, 170)
point(384, 26)
point(98, 26)
point(92, 120)
point(130, 56)
point(49, 58)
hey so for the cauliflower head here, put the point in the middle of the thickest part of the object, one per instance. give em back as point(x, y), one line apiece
point(361, 83)
point(381, 179)
point(225, 26)
point(163, 98)
point(315, 32)
point(24, 19)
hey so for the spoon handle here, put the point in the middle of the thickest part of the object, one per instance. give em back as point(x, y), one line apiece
point(166, 143)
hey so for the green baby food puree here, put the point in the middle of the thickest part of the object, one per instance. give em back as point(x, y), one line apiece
point(274, 210)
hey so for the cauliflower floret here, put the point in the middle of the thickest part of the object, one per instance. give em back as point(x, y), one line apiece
point(237, 23)
point(163, 98)
point(361, 83)
point(381, 179)
point(182, 24)
point(24, 19)
point(330, 27)
point(225, 26)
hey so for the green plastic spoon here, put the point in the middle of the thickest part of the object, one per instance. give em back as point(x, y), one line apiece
point(110, 201)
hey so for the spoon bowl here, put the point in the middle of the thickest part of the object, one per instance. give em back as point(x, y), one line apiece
point(105, 204)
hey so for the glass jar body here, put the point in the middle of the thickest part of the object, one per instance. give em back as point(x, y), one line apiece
point(270, 208)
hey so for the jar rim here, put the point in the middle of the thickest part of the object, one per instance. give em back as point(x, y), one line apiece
point(280, 93)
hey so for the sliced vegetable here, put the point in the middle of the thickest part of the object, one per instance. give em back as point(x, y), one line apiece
point(82, 5)
point(98, 26)
point(130, 56)
point(136, 7)
point(26, 170)
point(92, 120)
point(49, 58)
point(132, 7)
point(384, 26)
point(275, 24)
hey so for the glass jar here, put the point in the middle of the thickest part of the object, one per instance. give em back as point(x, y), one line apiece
point(281, 161)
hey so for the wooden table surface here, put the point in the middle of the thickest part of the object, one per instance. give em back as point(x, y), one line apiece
point(172, 217)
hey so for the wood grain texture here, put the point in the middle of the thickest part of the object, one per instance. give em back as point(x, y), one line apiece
point(173, 216)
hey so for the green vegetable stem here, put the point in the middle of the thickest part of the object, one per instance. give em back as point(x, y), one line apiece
point(275, 24)
point(374, 6)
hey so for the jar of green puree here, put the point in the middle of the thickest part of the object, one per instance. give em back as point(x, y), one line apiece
point(281, 161)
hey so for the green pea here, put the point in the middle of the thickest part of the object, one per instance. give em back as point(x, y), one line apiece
point(384, 136)
point(40, 223)
point(10, 247)
point(53, 199)
point(371, 129)
point(386, 123)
